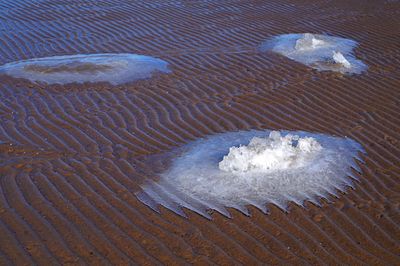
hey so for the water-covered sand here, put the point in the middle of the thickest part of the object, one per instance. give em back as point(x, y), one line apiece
point(74, 156)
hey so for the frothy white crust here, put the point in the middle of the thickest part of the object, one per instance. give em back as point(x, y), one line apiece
point(309, 42)
point(269, 167)
point(321, 52)
point(339, 58)
point(275, 152)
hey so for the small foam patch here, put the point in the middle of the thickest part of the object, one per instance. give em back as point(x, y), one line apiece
point(113, 68)
point(254, 168)
point(321, 52)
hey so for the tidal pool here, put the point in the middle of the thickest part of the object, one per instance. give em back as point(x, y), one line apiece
point(112, 68)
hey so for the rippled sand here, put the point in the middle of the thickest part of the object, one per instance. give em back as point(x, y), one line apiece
point(74, 156)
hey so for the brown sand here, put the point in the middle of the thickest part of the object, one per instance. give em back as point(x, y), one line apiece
point(73, 156)
point(84, 68)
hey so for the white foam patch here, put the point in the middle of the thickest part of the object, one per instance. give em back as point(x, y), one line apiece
point(321, 52)
point(113, 68)
point(339, 58)
point(269, 154)
point(254, 167)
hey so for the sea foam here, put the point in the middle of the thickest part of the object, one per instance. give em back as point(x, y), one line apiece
point(254, 168)
point(113, 68)
point(265, 155)
point(321, 52)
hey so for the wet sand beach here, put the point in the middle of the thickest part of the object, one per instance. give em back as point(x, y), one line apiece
point(73, 156)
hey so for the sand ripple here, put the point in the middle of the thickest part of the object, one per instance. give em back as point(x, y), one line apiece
point(73, 156)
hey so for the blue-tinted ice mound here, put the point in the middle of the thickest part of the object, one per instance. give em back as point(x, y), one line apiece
point(113, 68)
point(321, 52)
point(254, 168)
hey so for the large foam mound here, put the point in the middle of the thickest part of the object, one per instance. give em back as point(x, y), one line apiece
point(254, 167)
point(270, 154)
point(321, 52)
point(113, 68)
